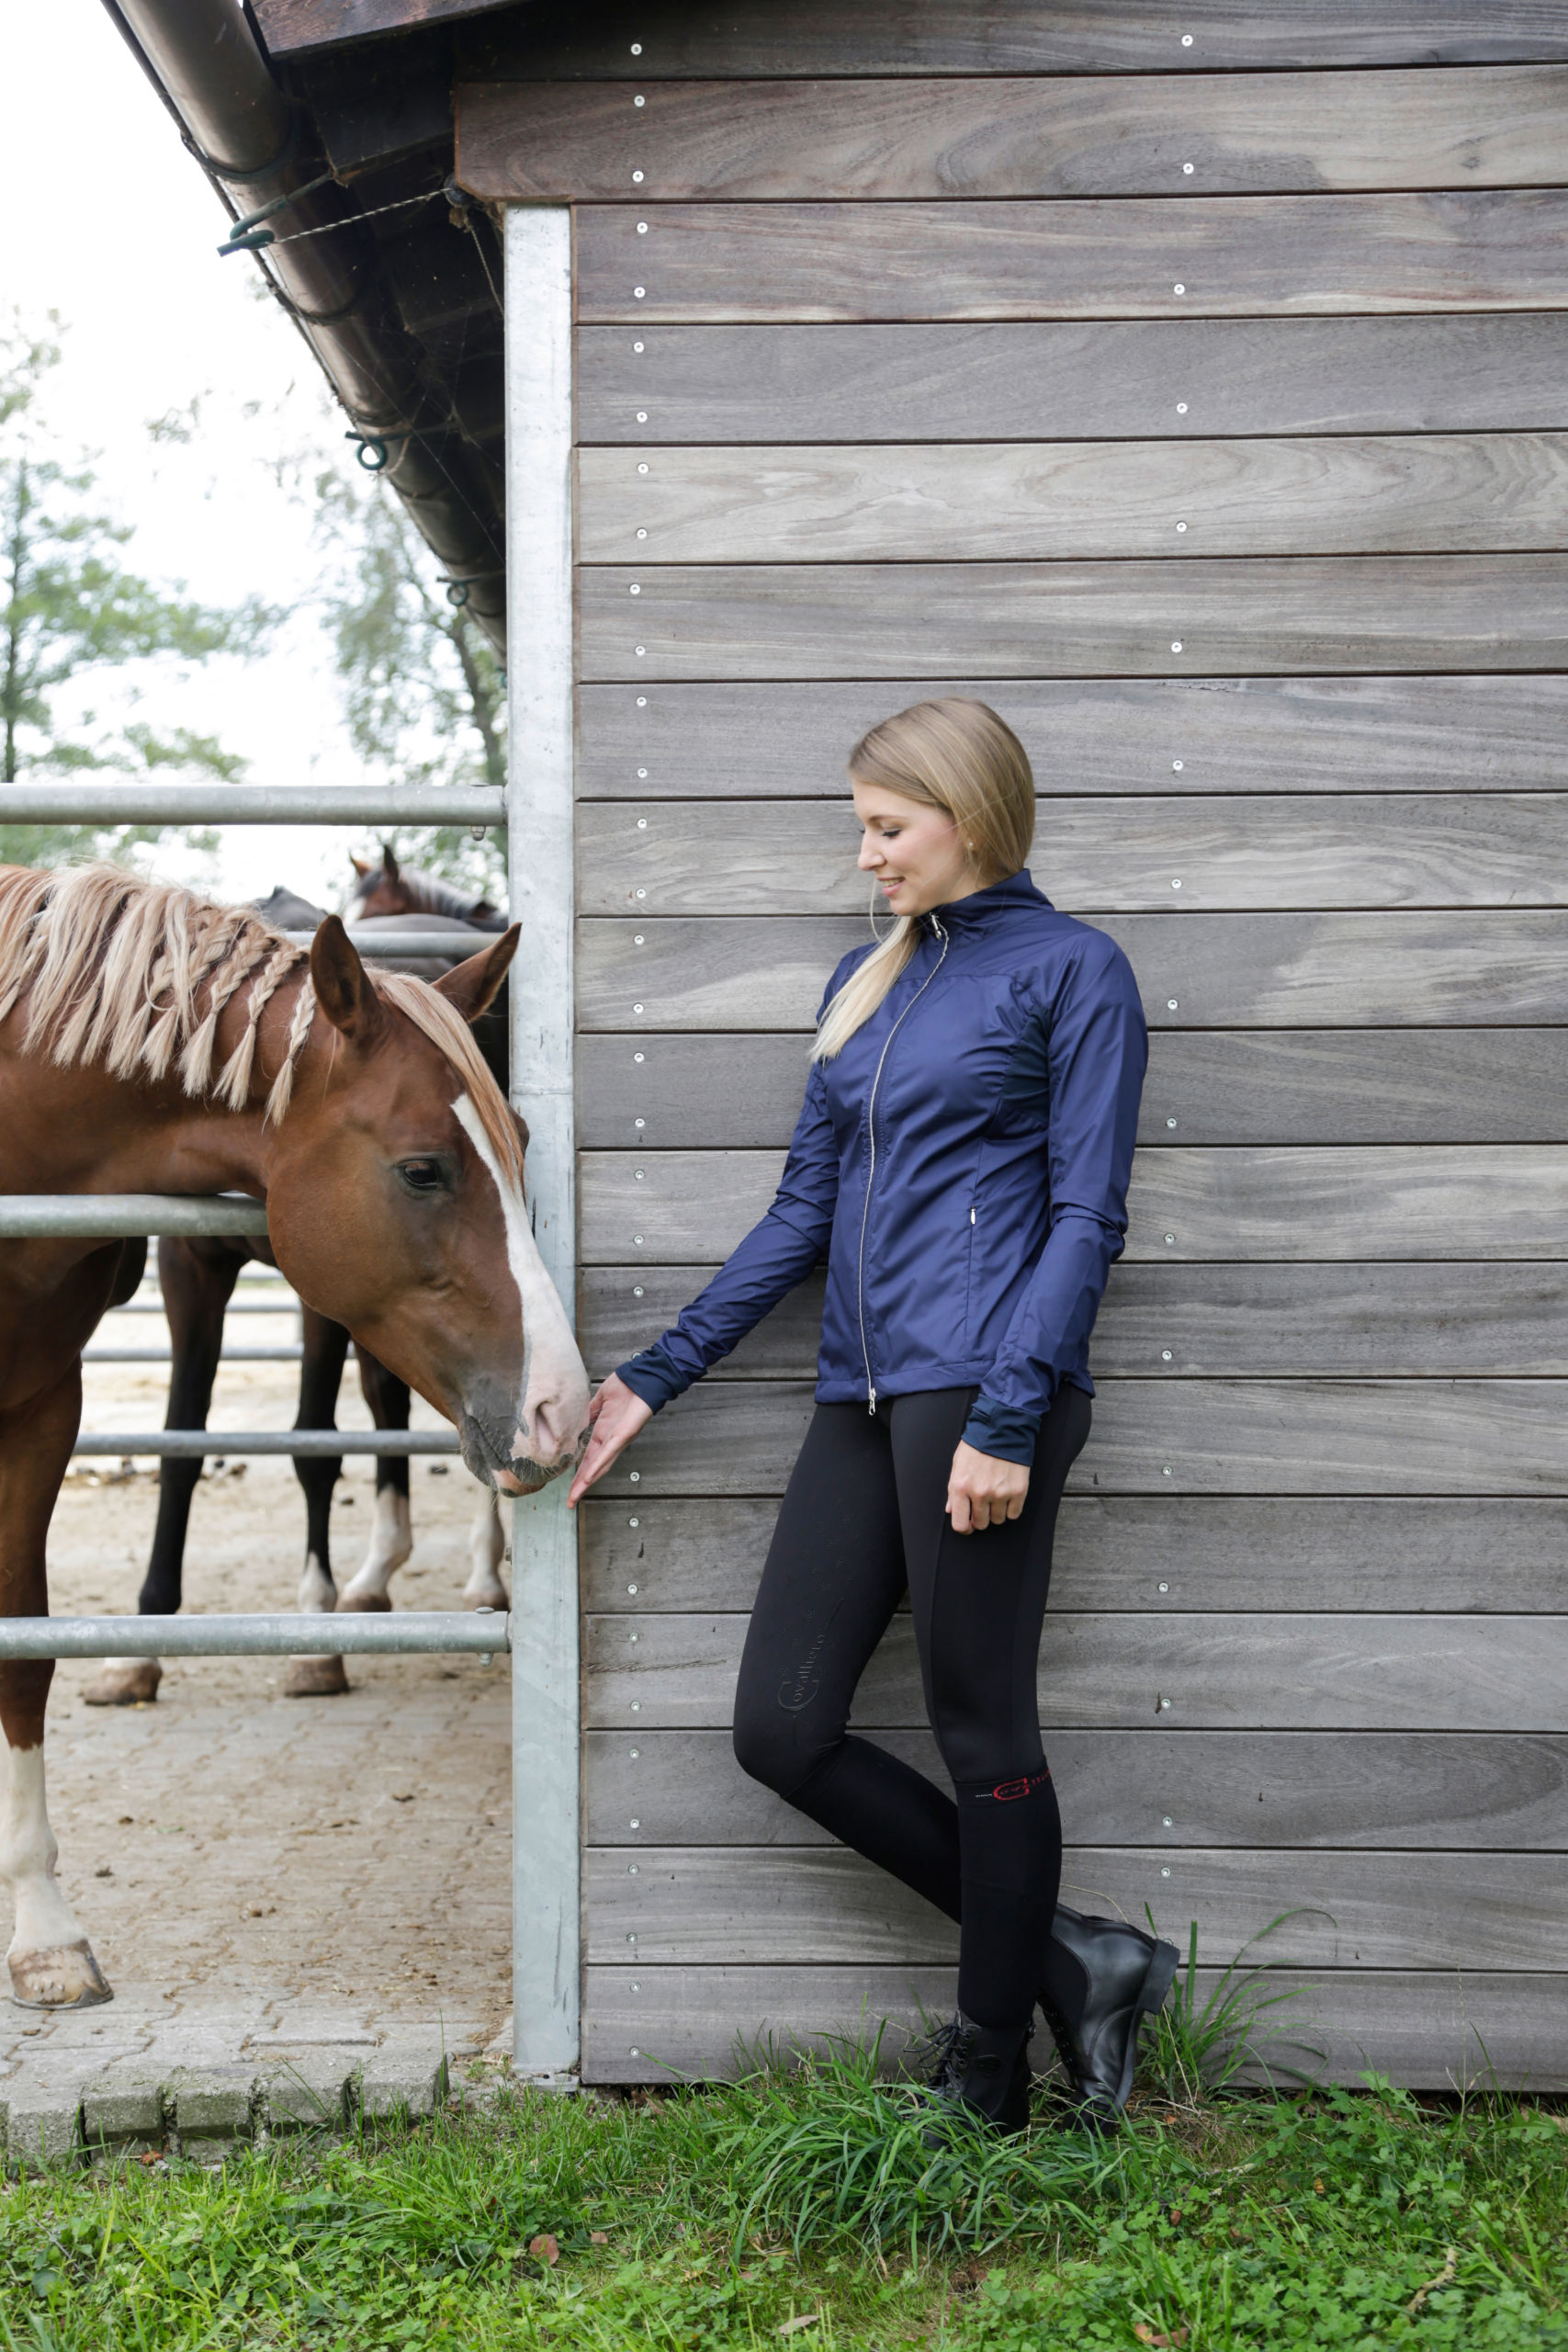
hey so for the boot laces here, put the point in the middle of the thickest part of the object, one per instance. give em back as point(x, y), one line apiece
point(945, 2050)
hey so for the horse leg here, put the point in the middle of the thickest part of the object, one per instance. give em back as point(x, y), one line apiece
point(51, 1959)
point(325, 1345)
point(197, 1280)
point(392, 1531)
point(487, 1549)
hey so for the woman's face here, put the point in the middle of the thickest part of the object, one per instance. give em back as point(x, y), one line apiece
point(917, 853)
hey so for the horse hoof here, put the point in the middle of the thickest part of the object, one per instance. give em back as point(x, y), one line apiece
point(487, 1596)
point(363, 1600)
point(125, 1682)
point(62, 1976)
point(315, 1677)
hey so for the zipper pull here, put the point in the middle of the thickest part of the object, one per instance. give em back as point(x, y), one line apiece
point(971, 1217)
point(871, 1401)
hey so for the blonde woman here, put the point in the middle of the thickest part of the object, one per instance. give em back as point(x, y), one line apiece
point(962, 1160)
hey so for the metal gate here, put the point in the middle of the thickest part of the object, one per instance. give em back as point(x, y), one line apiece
point(541, 1633)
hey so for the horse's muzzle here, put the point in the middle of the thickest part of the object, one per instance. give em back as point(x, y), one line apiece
point(487, 1451)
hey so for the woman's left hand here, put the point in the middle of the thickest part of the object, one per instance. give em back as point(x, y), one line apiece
point(983, 1490)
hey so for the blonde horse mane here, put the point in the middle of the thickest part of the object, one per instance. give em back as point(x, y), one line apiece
point(129, 974)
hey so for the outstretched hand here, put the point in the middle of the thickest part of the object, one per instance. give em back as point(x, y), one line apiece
point(983, 1490)
point(615, 1417)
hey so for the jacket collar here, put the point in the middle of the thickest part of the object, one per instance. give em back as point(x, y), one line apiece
point(982, 908)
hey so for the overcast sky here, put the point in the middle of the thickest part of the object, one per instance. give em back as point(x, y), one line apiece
point(120, 236)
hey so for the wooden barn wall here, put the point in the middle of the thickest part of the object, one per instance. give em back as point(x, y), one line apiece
point(1194, 387)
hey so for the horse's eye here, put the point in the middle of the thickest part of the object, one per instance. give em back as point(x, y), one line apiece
point(421, 1175)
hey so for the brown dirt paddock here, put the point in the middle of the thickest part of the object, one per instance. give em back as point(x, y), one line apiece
point(226, 1840)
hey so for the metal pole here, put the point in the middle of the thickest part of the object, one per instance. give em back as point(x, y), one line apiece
point(308, 1444)
point(251, 804)
point(110, 1217)
point(545, 1927)
point(479, 1633)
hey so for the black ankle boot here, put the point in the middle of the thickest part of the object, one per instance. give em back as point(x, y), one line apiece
point(1102, 1978)
point(982, 2074)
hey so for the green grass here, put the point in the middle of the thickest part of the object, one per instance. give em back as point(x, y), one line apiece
point(699, 2221)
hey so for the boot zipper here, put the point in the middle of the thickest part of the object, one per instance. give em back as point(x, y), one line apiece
point(871, 1171)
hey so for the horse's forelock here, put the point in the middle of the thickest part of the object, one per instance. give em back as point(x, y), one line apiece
point(452, 1037)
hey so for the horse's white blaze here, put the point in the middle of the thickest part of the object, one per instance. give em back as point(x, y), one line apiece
point(555, 1381)
point(28, 1857)
point(392, 1541)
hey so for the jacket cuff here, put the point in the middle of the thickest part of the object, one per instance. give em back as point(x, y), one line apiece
point(650, 1375)
point(1001, 1431)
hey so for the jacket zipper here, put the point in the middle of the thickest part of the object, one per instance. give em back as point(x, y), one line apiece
point(871, 1171)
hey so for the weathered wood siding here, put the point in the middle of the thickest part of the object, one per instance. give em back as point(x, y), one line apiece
point(1193, 385)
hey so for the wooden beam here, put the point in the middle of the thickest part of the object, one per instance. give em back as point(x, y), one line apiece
point(1268, 971)
point(796, 857)
point(1028, 502)
point(1435, 2029)
point(557, 38)
point(1455, 1792)
point(304, 27)
point(1080, 135)
point(1226, 1554)
point(1184, 1437)
point(725, 1092)
point(1071, 258)
point(1232, 1672)
point(1286, 1201)
point(1380, 1319)
point(1034, 381)
point(1212, 615)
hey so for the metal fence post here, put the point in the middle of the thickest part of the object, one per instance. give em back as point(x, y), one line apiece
point(545, 1931)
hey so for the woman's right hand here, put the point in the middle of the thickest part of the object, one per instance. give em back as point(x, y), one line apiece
point(615, 1417)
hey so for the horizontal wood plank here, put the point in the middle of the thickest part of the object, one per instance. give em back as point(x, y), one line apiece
point(1179, 1437)
point(1285, 1201)
point(698, 1906)
point(1457, 1792)
point(1486, 1554)
point(1055, 379)
point(890, 139)
point(721, 973)
point(1379, 1321)
point(1208, 614)
point(1072, 257)
point(1212, 851)
point(1042, 502)
point(1228, 1672)
point(1303, 1086)
point(1434, 2029)
point(555, 40)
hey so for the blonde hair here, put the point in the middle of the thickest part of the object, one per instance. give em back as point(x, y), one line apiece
point(956, 755)
point(113, 965)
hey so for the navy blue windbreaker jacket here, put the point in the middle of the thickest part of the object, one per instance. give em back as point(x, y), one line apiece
point(963, 1162)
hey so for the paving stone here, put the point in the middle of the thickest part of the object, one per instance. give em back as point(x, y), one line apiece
point(211, 2109)
point(396, 2082)
point(308, 2092)
point(122, 2109)
point(42, 2125)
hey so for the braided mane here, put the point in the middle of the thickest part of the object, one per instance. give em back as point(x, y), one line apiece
point(133, 976)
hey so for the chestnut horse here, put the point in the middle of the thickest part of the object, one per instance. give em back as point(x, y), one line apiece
point(197, 1280)
point(153, 1042)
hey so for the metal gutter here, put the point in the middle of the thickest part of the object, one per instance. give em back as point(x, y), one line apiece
point(256, 146)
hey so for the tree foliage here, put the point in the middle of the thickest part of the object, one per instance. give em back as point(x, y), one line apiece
point(70, 610)
point(423, 695)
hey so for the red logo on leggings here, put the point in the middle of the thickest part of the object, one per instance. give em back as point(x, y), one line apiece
point(1005, 1791)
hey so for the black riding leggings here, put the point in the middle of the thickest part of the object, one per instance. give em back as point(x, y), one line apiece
point(862, 1517)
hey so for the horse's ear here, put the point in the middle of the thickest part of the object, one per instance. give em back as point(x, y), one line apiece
point(343, 984)
point(360, 865)
point(473, 986)
point(388, 863)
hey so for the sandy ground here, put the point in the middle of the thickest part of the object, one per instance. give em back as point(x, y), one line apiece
point(226, 1840)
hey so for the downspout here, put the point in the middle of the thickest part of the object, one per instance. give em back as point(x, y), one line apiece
point(255, 146)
